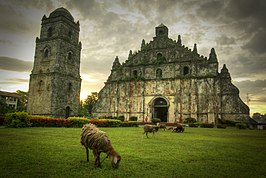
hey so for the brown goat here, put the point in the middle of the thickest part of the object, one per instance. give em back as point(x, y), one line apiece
point(96, 140)
point(150, 128)
point(161, 126)
point(178, 128)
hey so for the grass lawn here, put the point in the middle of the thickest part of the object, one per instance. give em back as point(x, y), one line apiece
point(198, 152)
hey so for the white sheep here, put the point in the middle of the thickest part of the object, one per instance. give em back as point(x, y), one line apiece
point(96, 140)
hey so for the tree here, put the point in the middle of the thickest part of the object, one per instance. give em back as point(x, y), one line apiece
point(22, 104)
point(90, 102)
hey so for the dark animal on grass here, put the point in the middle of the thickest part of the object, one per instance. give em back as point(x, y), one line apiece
point(96, 140)
point(178, 128)
point(150, 129)
point(161, 126)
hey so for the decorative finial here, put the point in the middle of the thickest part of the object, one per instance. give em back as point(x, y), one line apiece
point(212, 56)
point(142, 44)
point(195, 48)
point(179, 40)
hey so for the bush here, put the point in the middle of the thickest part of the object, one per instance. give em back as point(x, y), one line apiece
point(50, 122)
point(221, 126)
point(241, 125)
point(199, 124)
point(189, 120)
point(192, 125)
point(121, 118)
point(105, 122)
point(130, 124)
point(17, 119)
point(207, 125)
point(227, 122)
point(133, 118)
point(155, 120)
point(78, 121)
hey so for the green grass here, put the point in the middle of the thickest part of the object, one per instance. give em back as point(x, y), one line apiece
point(198, 152)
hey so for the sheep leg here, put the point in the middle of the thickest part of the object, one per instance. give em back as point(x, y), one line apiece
point(147, 134)
point(87, 154)
point(97, 162)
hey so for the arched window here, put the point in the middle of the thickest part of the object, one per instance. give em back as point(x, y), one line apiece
point(46, 53)
point(69, 56)
point(185, 70)
point(159, 73)
point(70, 34)
point(41, 85)
point(50, 32)
point(69, 87)
point(135, 74)
point(159, 56)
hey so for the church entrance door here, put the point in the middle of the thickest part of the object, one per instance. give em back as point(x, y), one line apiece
point(160, 109)
point(67, 112)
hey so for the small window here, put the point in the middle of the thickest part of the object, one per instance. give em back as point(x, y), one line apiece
point(186, 70)
point(69, 56)
point(159, 73)
point(41, 84)
point(50, 32)
point(69, 87)
point(70, 34)
point(46, 53)
point(135, 74)
point(159, 56)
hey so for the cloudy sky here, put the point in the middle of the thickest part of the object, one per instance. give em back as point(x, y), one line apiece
point(109, 28)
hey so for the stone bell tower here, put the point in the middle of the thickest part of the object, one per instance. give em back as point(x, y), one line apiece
point(55, 81)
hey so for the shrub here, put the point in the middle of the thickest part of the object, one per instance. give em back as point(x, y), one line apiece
point(130, 124)
point(78, 121)
point(17, 119)
point(189, 120)
point(155, 120)
point(207, 125)
point(221, 126)
point(121, 118)
point(227, 122)
point(50, 122)
point(106, 122)
point(133, 118)
point(192, 125)
point(2, 118)
point(199, 124)
point(241, 125)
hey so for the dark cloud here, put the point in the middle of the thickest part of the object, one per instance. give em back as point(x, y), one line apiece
point(13, 81)
point(12, 64)
point(225, 40)
point(257, 43)
point(256, 89)
point(247, 66)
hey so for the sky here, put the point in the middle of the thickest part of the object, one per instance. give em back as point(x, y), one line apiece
point(110, 28)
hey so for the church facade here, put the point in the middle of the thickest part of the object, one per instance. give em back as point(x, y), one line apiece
point(166, 80)
point(55, 81)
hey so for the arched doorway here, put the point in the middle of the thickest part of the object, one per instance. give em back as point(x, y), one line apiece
point(160, 109)
point(67, 112)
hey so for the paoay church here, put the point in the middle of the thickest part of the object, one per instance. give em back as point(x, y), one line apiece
point(163, 80)
point(166, 80)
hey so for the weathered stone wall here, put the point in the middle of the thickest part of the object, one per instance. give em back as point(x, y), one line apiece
point(190, 84)
point(55, 81)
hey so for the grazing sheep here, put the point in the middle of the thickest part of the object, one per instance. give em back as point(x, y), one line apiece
point(96, 140)
point(161, 126)
point(150, 128)
point(178, 128)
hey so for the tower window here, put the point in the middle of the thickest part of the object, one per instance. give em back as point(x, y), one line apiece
point(185, 70)
point(159, 73)
point(69, 87)
point(46, 53)
point(135, 74)
point(50, 32)
point(70, 34)
point(159, 56)
point(41, 84)
point(69, 56)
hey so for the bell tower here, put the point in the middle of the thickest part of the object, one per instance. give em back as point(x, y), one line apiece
point(55, 81)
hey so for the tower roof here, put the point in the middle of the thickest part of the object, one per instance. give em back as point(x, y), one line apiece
point(62, 12)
